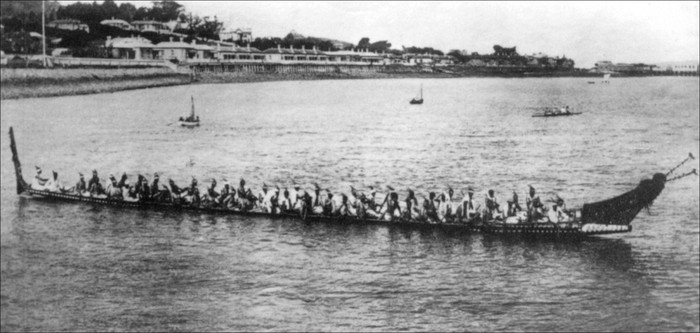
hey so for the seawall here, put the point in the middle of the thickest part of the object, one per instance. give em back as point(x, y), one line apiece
point(37, 82)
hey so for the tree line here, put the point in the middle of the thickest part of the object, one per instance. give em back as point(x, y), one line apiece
point(25, 16)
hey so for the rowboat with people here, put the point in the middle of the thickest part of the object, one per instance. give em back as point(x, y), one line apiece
point(437, 211)
point(556, 112)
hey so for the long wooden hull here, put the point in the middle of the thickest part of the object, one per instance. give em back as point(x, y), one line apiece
point(557, 114)
point(574, 229)
point(598, 218)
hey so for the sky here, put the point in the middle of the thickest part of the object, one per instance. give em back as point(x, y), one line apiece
point(622, 32)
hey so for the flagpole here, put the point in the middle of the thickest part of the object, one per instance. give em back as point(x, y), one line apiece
point(43, 33)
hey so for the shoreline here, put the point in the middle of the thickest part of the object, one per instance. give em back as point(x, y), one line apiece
point(23, 83)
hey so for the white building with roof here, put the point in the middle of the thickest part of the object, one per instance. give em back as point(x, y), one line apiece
point(68, 25)
point(295, 55)
point(241, 35)
point(174, 50)
point(151, 26)
point(678, 67)
point(137, 48)
point(117, 23)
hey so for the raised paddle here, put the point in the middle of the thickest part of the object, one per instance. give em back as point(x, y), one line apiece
point(690, 157)
point(693, 172)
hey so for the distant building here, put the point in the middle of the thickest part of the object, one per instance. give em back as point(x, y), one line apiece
point(678, 67)
point(121, 24)
point(294, 35)
point(151, 26)
point(232, 52)
point(136, 48)
point(603, 66)
point(72, 25)
point(290, 54)
point(174, 50)
point(240, 35)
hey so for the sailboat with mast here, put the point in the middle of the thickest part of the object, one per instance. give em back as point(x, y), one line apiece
point(419, 99)
point(192, 120)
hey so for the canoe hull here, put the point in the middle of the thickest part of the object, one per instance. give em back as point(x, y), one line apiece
point(557, 115)
point(573, 229)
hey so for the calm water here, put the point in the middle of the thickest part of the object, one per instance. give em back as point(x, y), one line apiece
point(81, 267)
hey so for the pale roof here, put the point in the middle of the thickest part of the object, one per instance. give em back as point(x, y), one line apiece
point(173, 45)
point(129, 43)
point(114, 21)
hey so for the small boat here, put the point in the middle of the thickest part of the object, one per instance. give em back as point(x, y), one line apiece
point(556, 112)
point(191, 120)
point(591, 82)
point(419, 99)
point(604, 217)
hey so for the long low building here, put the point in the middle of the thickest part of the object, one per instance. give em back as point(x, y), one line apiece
point(221, 52)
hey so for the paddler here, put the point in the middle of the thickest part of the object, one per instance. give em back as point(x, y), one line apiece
point(80, 186)
point(241, 189)
point(144, 190)
point(513, 205)
point(128, 191)
point(94, 185)
point(193, 193)
point(113, 190)
point(318, 202)
point(442, 208)
point(175, 191)
point(411, 205)
point(155, 192)
point(493, 208)
point(122, 181)
point(328, 205)
point(343, 209)
point(286, 204)
point(560, 202)
point(39, 182)
point(294, 197)
point(224, 195)
point(469, 211)
point(243, 195)
point(447, 202)
point(534, 205)
point(52, 184)
point(556, 215)
point(263, 200)
point(392, 204)
point(211, 191)
point(429, 210)
point(274, 201)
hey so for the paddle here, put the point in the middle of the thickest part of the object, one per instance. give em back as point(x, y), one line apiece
point(690, 157)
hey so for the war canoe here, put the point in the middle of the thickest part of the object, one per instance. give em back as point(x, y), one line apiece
point(605, 217)
point(556, 114)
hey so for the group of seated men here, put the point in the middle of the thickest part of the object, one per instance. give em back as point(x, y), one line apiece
point(435, 208)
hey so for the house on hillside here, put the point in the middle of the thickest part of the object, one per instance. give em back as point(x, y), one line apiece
point(68, 24)
point(151, 26)
point(121, 24)
point(240, 35)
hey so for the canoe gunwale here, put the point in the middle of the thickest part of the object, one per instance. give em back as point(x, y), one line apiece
point(547, 228)
point(596, 227)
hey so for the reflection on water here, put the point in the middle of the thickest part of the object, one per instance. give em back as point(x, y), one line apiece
point(84, 267)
